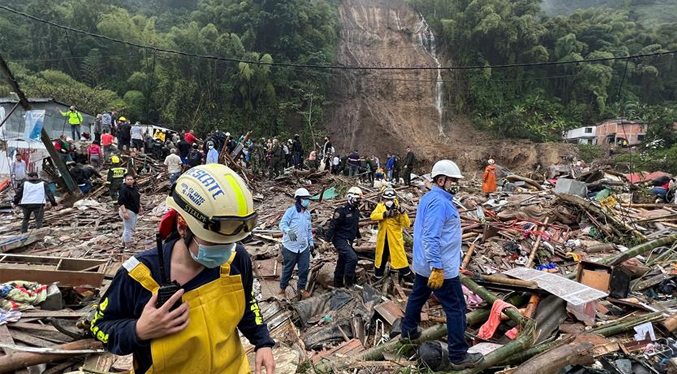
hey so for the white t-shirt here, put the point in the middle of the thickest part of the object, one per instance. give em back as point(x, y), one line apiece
point(18, 169)
point(336, 161)
point(137, 132)
point(173, 163)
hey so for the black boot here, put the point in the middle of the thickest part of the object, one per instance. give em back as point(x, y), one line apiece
point(350, 281)
point(338, 281)
point(468, 361)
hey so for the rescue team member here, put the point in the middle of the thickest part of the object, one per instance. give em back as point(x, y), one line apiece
point(212, 211)
point(344, 228)
point(437, 259)
point(392, 219)
point(32, 197)
point(74, 119)
point(489, 178)
point(297, 242)
point(116, 175)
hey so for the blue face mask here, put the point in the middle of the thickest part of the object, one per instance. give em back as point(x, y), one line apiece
point(305, 203)
point(212, 256)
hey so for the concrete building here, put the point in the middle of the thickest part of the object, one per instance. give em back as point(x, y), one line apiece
point(54, 123)
point(613, 131)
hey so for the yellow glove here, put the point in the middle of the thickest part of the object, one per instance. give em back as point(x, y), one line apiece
point(436, 279)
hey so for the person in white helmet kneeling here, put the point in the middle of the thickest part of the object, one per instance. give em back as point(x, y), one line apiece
point(437, 260)
point(297, 242)
point(178, 308)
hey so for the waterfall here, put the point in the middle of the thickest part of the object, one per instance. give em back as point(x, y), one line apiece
point(426, 39)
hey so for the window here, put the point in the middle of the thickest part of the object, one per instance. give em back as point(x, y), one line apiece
point(640, 138)
point(588, 130)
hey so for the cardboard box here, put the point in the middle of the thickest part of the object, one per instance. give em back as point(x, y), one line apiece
point(610, 279)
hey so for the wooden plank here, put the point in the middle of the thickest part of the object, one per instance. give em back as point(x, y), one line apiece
point(55, 314)
point(30, 339)
point(6, 338)
point(65, 278)
point(61, 367)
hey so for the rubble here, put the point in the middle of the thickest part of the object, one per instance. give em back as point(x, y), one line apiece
point(581, 258)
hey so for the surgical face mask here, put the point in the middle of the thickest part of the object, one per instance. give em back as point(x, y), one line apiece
point(389, 204)
point(211, 147)
point(212, 256)
point(305, 203)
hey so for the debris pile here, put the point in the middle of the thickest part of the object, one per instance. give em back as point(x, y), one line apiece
point(574, 268)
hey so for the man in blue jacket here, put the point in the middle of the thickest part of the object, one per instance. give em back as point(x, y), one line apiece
point(437, 259)
point(297, 242)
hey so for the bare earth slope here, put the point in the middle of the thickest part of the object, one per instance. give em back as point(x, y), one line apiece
point(384, 111)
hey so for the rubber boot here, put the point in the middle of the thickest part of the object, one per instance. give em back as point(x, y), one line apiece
point(338, 282)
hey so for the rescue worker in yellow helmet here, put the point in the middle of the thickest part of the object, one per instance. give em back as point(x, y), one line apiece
point(392, 219)
point(208, 274)
point(115, 177)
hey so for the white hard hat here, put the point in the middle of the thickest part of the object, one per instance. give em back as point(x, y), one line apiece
point(491, 161)
point(301, 192)
point(355, 191)
point(227, 134)
point(447, 168)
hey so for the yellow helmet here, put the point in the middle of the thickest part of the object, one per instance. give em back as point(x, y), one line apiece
point(115, 160)
point(123, 119)
point(215, 203)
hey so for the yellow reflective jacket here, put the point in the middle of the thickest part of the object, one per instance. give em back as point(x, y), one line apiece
point(74, 118)
point(392, 228)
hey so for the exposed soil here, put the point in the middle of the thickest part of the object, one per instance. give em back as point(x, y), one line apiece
point(388, 110)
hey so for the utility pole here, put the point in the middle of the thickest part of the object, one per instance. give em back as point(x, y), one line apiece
point(70, 183)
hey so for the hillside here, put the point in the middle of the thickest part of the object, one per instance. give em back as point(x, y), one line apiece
point(648, 12)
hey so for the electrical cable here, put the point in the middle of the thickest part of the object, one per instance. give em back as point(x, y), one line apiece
point(327, 67)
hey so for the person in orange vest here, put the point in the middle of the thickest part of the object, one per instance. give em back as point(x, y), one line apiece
point(489, 178)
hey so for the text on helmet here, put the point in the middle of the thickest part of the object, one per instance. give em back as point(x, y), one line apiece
point(207, 180)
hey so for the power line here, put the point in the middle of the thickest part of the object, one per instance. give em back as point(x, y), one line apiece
point(328, 67)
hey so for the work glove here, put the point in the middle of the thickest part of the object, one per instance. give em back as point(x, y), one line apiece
point(292, 236)
point(436, 279)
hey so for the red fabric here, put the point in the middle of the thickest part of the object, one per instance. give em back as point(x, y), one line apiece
point(94, 149)
point(57, 145)
point(489, 179)
point(644, 176)
point(190, 138)
point(489, 328)
point(107, 139)
point(167, 223)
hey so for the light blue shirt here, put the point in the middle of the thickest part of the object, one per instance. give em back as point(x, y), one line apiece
point(212, 156)
point(300, 223)
point(437, 234)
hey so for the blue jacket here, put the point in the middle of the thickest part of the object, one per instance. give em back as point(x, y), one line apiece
point(299, 221)
point(213, 156)
point(390, 164)
point(437, 234)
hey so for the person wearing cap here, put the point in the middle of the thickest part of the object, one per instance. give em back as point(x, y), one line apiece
point(31, 197)
point(437, 260)
point(124, 134)
point(297, 242)
point(212, 154)
point(74, 119)
point(344, 228)
point(489, 178)
point(392, 219)
point(196, 330)
point(115, 177)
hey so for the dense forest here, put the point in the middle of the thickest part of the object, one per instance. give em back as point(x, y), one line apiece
point(538, 102)
point(157, 87)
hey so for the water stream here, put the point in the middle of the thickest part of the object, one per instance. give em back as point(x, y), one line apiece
point(426, 39)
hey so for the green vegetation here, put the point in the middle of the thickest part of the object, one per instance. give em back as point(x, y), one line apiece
point(589, 152)
point(538, 102)
point(647, 12)
point(153, 87)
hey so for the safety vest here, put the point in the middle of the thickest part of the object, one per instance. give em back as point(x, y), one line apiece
point(34, 193)
point(211, 343)
point(74, 118)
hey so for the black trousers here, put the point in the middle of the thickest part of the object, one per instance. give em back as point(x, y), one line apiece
point(347, 259)
point(385, 257)
point(38, 211)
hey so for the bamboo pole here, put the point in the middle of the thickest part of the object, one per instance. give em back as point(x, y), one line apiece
point(534, 250)
point(471, 250)
point(19, 360)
